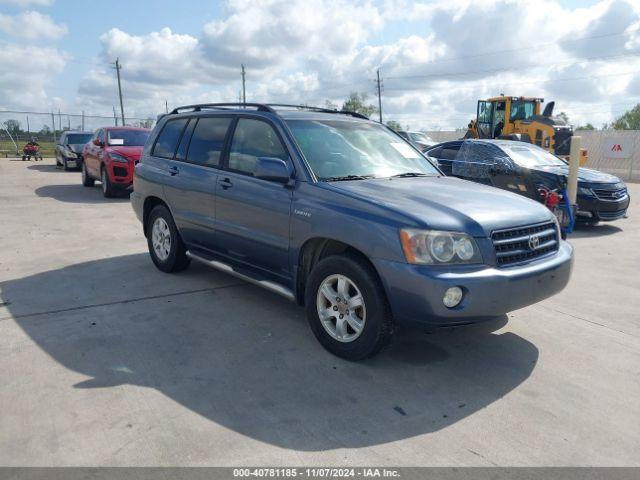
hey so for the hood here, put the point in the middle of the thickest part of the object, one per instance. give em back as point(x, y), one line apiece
point(586, 175)
point(447, 203)
point(76, 147)
point(132, 153)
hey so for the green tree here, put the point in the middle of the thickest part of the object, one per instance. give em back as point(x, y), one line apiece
point(357, 102)
point(13, 126)
point(628, 121)
point(394, 125)
point(588, 126)
point(564, 117)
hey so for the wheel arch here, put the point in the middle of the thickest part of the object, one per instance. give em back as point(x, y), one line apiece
point(315, 249)
point(149, 204)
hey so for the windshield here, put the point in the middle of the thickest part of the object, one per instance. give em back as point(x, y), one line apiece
point(420, 137)
point(78, 138)
point(522, 110)
point(343, 148)
point(127, 138)
point(531, 156)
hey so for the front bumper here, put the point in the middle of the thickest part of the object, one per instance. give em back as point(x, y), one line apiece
point(415, 292)
point(593, 209)
point(121, 174)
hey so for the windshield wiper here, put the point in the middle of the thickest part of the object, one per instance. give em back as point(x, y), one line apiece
point(409, 174)
point(346, 177)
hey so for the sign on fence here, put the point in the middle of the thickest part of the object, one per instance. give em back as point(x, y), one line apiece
point(618, 147)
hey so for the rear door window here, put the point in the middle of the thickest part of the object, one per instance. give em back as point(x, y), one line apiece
point(207, 140)
point(253, 139)
point(449, 152)
point(167, 142)
point(181, 153)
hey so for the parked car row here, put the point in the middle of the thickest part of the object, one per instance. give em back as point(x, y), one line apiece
point(109, 155)
point(346, 217)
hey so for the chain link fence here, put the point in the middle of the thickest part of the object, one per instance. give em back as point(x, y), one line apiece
point(17, 128)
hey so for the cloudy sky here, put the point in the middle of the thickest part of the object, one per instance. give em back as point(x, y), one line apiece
point(436, 58)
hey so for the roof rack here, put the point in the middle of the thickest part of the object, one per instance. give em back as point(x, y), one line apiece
point(262, 107)
point(319, 109)
point(223, 106)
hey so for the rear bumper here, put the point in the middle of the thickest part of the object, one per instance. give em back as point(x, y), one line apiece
point(416, 292)
point(137, 203)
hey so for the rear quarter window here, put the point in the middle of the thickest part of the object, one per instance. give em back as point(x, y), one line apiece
point(167, 142)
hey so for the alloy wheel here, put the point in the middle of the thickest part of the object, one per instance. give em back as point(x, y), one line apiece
point(341, 308)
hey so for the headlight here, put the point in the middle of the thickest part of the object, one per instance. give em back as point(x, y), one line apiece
point(118, 158)
point(434, 247)
point(585, 191)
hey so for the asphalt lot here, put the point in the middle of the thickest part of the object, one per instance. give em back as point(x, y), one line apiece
point(104, 360)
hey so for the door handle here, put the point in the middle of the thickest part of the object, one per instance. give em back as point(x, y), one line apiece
point(226, 183)
point(173, 170)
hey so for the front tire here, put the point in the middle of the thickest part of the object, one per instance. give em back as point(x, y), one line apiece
point(65, 167)
point(166, 248)
point(108, 189)
point(347, 308)
point(87, 181)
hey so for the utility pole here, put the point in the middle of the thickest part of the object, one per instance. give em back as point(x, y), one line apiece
point(115, 118)
point(166, 106)
point(244, 92)
point(68, 122)
point(53, 124)
point(59, 120)
point(379, 86)
point(118, 67)
point(83, 120)
point(28, 129)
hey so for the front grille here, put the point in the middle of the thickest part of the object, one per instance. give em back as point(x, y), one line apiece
point(610, 195)
point(120, 171)
point(612, 215)
point(515, 246)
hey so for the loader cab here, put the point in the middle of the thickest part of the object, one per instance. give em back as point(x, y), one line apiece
point(497, 116)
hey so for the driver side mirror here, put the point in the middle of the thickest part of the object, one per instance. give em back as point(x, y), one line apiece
point(273, 170)
point(98, 143)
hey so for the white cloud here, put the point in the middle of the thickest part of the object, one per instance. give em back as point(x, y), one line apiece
point(31, 25)
point(25, 75)
point(310, 51)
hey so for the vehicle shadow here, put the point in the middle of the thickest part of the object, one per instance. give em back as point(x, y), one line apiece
point(599, 230)
point(46, 168)
point(77, 193)
point(246, 359)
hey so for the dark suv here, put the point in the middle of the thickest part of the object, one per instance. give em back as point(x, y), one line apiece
point(342, 215)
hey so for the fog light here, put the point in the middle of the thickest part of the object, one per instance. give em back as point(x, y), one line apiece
point(452, 297)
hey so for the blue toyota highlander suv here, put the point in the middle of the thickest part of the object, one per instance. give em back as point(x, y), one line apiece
point(343, 216)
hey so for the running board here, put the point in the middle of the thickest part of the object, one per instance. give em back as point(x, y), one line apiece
point(266, 284)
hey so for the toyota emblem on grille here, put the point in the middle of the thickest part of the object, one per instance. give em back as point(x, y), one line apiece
point(534, 242)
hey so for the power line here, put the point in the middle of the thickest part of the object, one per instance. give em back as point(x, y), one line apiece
point(528, 48)
point(509, 69)
point(25, 112)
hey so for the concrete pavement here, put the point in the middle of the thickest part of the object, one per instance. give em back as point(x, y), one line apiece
point(104, 360)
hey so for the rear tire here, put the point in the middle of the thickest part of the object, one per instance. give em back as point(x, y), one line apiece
point(87, 181)
point(108, 189)
point(362, 303)
point(166, 248)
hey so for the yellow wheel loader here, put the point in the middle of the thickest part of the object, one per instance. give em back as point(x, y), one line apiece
point(519, 118)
